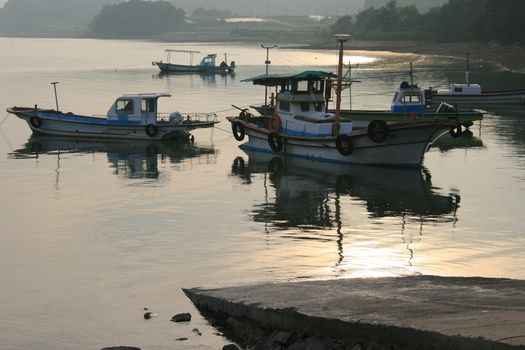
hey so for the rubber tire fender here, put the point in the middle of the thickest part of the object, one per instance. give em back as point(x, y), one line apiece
point(275, 141)
point(378, 131)
point(344, 145)
point(151, 130)
point(35, 122)
point(456, 132)
point(238, 130)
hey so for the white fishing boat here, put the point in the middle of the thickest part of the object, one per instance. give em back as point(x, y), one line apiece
point(303, 127)
point(206, 65)
point(468, 94)
point(133, 116)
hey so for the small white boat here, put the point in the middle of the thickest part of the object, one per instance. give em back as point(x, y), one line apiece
point(303, 127)
point(206, 65)
point(468, 94)
point(473, 95)
point(133, 116)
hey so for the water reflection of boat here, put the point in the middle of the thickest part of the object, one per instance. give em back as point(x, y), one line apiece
point(303, 190)
point(134, 159)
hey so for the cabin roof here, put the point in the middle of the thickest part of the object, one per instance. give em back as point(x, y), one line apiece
point(147, 95)
point(277, 79)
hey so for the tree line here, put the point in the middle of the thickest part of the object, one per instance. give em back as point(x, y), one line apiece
point(137, 18)
point(457, 20)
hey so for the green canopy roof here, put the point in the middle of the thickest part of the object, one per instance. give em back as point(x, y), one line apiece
point(277, 79)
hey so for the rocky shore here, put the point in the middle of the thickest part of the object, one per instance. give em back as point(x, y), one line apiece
point(419, 312)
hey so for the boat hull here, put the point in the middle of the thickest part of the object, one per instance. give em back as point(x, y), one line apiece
point(406, 144)
point(361, 119)
point(59, 124)
point(181, 68)
point(486, 98)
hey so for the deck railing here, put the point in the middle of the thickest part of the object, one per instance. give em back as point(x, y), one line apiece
point(190, 117)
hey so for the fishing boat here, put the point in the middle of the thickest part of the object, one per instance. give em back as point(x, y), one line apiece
point(468, 94)
point(303, 127)
point(206, 65)
point(410, 104)
point(132, 116)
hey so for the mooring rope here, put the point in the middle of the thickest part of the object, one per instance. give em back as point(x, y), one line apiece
point(2, 122)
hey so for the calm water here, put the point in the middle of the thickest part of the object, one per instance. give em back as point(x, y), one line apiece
point(93, 232)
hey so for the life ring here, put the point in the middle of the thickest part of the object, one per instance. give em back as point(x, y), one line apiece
point(238, 131)
point(35, 122)
point(151, 130)
point(378, 131)
point(344, 145)
point(456, 132)
point(275, 141)
point(275, 123)
point(190, 138)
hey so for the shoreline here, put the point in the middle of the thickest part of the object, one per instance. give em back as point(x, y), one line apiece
point(505, 58)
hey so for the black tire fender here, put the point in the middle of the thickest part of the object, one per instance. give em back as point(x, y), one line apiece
point(344, 145)
point(151, 130)
point(456, 132)
point(275, 141)
point(378, 131)
point(238, 130)
point(35, 122)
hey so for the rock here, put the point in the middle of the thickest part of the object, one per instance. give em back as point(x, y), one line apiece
point(230, 347)
point(149, 315)
point(184, 317)
point(181, 339)
point(121, 348)
point(196, 331)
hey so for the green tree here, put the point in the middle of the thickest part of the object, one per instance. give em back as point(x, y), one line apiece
point(137, 18)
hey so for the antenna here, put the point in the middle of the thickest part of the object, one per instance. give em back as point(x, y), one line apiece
point(267, 62)
point(55, 88)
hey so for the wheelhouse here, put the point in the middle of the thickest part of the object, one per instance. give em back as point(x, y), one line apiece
point(136, 107)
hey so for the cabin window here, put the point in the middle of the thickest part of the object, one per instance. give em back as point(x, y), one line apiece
point(412, 98)
point(458, 89)
point(148, 106)
point(318, 106)
point(286, 86)
point(125, 106)
point(302, 86)
point(305, 106)
point(284, 106)
point(316, 86)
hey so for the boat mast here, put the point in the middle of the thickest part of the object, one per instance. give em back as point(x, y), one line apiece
point(56, 97)
point(267, 62)
point(341, 39)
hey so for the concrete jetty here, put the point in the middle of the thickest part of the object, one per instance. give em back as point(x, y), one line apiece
point(417, 312)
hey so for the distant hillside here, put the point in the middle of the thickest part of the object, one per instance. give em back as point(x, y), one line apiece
point(422, 5)
point(275, 7)
point(49, 16)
